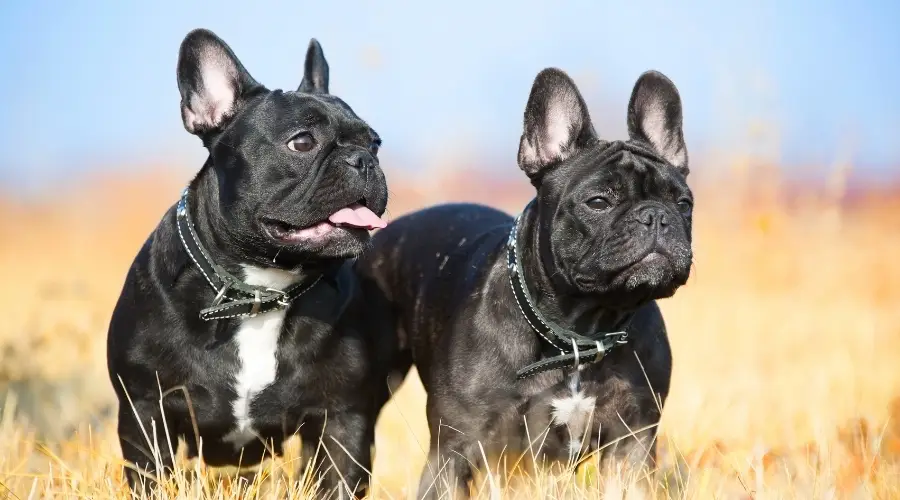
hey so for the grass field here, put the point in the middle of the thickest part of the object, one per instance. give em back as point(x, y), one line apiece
point(785, 339)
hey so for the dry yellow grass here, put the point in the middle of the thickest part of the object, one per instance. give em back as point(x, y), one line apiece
point(785, 343)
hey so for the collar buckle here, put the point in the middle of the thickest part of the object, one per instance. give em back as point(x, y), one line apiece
point(284, 299)
point(617, 338)
point(220, 297)
point(257, 302)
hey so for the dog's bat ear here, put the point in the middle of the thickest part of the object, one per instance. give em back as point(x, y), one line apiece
point(557, 122)
point(212, 82)
point(654, 116)
point(315, 70)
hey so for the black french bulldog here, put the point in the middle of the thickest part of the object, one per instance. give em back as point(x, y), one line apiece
point(246, 295)
point(550, 316)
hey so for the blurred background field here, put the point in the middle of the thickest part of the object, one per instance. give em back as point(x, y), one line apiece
point(786, 338)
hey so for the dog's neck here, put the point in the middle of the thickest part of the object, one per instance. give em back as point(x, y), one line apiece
point(555, 298)
point(222, 247)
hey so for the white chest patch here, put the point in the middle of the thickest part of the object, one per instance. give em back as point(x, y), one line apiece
point(257, 343)
point(575, 412)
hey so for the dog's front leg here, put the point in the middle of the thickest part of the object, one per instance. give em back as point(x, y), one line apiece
point(154, 459)
point(341, 453)
point(630, 456)
point(448, 470)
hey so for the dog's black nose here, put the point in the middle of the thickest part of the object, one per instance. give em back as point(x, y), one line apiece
point(650, 216)
point(360, 159)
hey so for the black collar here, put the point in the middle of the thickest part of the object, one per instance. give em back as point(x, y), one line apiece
point(234, 298)
point(574, 349)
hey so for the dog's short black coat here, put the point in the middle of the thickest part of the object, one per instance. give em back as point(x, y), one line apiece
point(609, 233)
point(278, 162)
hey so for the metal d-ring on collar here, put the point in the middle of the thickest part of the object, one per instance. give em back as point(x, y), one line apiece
point(234, 298)
point(574, 349)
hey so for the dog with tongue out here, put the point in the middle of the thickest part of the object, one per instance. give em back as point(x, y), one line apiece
point(355, 216)
point(242, 320)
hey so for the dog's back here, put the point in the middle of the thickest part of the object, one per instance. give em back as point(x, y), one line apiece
point(429, 257)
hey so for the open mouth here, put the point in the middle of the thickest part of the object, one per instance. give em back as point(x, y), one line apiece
point(354, 216)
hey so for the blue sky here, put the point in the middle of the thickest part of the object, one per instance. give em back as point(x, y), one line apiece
point(90, 83)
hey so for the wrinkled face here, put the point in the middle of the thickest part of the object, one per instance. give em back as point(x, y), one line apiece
point(298, 173)
point(621, 224)
point(615, 216)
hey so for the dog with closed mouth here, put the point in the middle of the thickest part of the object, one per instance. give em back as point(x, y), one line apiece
point(550, 316)
point(242, 320)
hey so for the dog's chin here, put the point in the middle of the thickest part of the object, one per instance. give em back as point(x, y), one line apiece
point(655, 276)
point(653, 271)
point(323, 240)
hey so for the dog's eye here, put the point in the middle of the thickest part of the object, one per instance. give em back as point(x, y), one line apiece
point(599, 203)
point(302, 143)
point(685, 206)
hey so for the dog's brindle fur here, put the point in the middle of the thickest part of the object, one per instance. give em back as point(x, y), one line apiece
point(604, 239)
point(252, 382)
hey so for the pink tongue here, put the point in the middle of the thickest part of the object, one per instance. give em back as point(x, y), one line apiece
point(357, 215)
